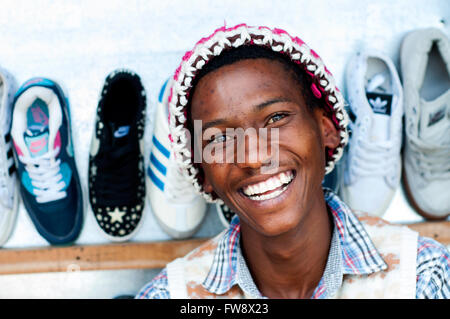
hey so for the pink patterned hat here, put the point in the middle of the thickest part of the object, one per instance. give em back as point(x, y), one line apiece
point(323, 85)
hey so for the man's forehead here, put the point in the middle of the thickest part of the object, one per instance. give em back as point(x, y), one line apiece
point(250, 84)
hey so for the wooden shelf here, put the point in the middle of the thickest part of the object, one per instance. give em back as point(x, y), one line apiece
point(134, 255)
point(94, 257)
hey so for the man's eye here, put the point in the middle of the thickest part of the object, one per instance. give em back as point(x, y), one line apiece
point(276, 118)
point(219, 139)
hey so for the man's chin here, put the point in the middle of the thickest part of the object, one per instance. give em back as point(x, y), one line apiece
point(273, 226)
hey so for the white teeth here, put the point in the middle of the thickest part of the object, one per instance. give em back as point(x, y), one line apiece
point(284, 178)
point(270, 195)
point(268, 185)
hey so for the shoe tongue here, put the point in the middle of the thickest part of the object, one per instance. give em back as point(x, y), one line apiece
point(435, 122)
point(381, 104)
point(120, 133)
point(36, 140)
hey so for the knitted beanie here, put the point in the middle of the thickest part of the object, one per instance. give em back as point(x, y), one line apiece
point(323, 86)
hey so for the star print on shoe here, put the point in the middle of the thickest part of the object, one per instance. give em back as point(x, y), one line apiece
point(116, 164)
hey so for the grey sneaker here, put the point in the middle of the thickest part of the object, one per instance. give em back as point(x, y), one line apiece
point(425, 64)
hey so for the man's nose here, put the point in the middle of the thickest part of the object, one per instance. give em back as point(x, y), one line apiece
point(254, 152)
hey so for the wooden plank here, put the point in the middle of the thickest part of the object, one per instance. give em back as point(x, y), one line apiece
point(94, 257)
point(439, 231)
point(134, 255)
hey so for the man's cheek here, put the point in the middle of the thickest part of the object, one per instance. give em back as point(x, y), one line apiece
point(216, 176)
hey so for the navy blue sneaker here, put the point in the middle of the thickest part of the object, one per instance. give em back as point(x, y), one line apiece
point(43, 151)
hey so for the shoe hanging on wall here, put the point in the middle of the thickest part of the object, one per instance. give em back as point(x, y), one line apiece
point(372, 165)
point(49, 182)
point(176, 205)
point(9, 195)
point(425, 64)
point(116, 163)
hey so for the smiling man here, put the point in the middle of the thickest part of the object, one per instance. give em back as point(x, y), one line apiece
point(290, 237)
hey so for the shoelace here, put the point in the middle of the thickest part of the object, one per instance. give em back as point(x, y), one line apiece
point(44, 172)
point(431, 161)
point(179, 189)
point(373, 158)
point(117, 178)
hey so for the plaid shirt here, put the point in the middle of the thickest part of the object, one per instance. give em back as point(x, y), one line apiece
point(351, 252)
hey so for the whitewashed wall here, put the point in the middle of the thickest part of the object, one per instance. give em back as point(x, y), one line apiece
point(79, 42)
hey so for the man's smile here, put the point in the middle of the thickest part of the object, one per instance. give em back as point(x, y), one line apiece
point(269, 188)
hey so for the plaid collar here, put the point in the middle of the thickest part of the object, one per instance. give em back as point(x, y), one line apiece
point(351, 252)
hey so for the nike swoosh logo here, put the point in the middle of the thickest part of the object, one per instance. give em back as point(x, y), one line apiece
point(121, 131)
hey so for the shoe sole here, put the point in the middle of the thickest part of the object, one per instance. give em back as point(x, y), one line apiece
point(413, 203)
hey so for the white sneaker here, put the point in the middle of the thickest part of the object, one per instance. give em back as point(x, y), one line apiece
point(372, 167)
point(425, 63)
point(177, 207)
point(9, 195)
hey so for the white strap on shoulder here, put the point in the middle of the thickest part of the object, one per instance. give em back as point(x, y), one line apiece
point(408, 265)
point(176, 279)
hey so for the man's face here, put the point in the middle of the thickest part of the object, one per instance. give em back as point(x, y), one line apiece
point(260, 93)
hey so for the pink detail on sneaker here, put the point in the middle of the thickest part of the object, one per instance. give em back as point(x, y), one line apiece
point(57, 141)
point(37, 146)
point(33, 81)
point(18, 150)
point(39, 115)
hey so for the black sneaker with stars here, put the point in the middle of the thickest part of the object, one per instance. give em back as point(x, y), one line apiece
point(116, 163)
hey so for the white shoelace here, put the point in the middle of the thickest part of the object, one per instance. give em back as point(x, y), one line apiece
point(431, 161)
point(44, 172)
point(373, 158)
point(179, 189)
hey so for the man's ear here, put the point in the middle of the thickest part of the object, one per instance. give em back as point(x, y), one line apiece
point(330, 135)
